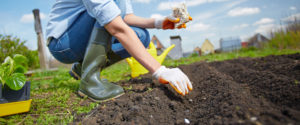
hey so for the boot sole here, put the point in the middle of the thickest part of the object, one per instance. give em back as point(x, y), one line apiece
point(81, 94)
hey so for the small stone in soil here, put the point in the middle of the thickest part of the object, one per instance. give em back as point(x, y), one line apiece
point(253, 118)
point(186, 121)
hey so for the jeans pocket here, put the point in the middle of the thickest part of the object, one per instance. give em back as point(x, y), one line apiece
point(65, 56)
point(61, 50)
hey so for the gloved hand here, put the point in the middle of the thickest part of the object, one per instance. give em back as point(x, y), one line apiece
point(169, 22)
point(175, 77)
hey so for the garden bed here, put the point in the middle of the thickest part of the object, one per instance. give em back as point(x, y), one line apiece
point(240, 91)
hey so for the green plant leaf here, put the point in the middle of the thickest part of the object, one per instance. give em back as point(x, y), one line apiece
point(20, 69)
point(6, 69)
point(2, 75)
point(20, 63)
point(20, 60)
point(16, 81)
point(8, 65)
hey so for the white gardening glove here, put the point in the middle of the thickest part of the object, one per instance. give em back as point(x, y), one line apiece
point(169, 22)
point(178, 19)
point(166, 22)
point(175, 77)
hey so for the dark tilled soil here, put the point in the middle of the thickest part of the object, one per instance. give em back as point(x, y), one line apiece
point(241, 91)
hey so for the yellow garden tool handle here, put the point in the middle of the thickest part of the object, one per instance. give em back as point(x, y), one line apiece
point(162, 56)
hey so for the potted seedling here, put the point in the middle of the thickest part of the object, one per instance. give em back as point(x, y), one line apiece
point(14, 90)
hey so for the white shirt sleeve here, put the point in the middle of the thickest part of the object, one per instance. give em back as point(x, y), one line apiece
point(104, 11)
point(129, 9)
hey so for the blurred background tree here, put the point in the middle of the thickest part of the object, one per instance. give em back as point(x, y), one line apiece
point(286, 38)
point(10, 46)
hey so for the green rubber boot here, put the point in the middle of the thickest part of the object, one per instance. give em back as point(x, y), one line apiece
point(112, 58)
point(94, 60)
point(75, 71)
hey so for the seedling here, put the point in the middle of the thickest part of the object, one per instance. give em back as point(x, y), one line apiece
point(149, 89)
point(12, 72)
point(128, 88)
point(15, 93)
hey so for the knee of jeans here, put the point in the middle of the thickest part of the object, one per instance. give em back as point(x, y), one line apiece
point(143, 35)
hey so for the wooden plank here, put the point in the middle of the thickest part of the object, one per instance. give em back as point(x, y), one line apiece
point(40, 78)
point(31, 72)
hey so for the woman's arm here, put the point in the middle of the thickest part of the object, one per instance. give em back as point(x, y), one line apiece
point(127, 37)
point(134, 20)
point(131, 43)
point(158, 23)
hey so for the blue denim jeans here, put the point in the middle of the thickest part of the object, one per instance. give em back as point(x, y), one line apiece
point(71, 46)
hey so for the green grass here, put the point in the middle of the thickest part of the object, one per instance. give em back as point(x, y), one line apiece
point(117, 72)
point(230, 55)
point(55, 100)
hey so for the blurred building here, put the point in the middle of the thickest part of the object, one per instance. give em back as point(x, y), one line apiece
point(207, 47)
point(230, 44)
point(244, 44)
point(257, 40)
point(176, 52)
